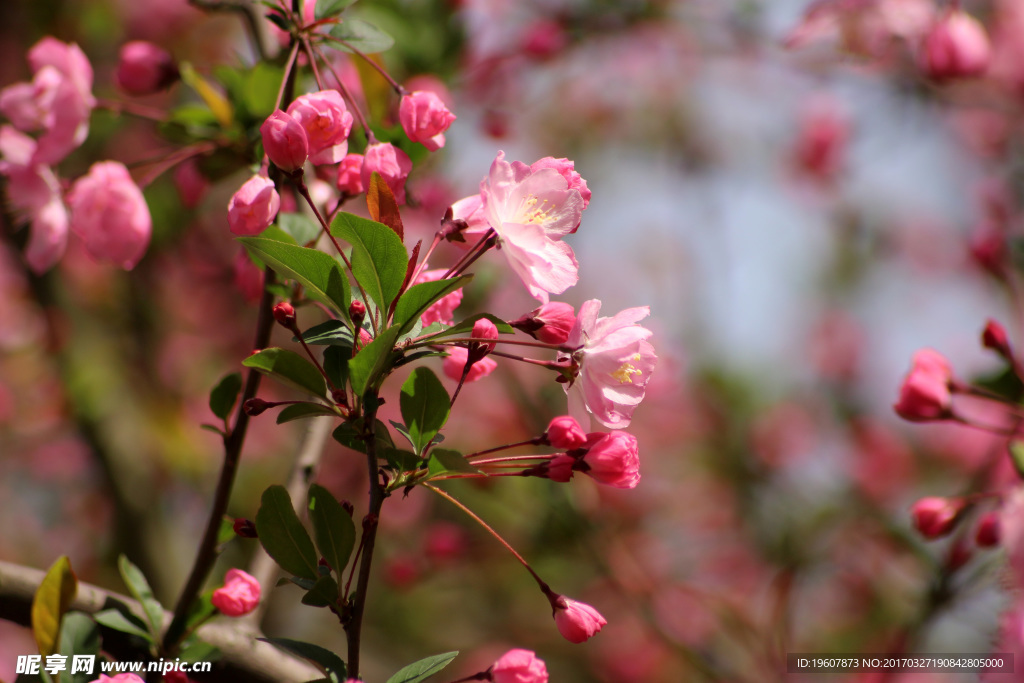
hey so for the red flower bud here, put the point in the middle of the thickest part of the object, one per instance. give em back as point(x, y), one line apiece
point(284, 314)
point(357, 310)
point(925, 393)
point(934, 517)
point(144, 68)
point(988, 531)
point(244, 528)
point(956, 47)
point(566, 433)
point(255, 406)
point(994, 337)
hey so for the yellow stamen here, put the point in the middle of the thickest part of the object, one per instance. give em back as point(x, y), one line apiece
point(625, 373)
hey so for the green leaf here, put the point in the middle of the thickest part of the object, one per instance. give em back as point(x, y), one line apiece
point(199, 652)
point(445, 461)
point(362, 35)
point(300, 411)
point(289, 368)
point(140, 590)
point(423, 669)
point(336, 364)
point(79, 635)
point(300, 227)
point(323, 593)
point(330, 8)
point(348, 435)
point(333, 528)
point(202, 607)
point(425, 407)
point(334, 332)
point(419, 298)
point(465, 327)
point(374, 360)
point(401, 460)
point(260, 90)
point(52, 599)
point(224, 395)
point(320, 274)
point(123, 621)
point(331, 663)
point(379, 259)
point(1017, 457)
point(283, 536)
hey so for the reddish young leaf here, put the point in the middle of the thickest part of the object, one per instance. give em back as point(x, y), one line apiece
point(382, 205)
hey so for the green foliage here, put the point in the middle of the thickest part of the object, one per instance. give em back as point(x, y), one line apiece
point(329, 662)
point(423, 669)
point(121, 619)
point(79, 635)
point(374, 361)
point(334, 332)
point(52, 599)
point(299, 227)
point(333, 528)
point(379, 259)
point(300, 411)
point(224, 395)
point(283, 536)
point(288, 367)
point(362, 35)
point(322, 276)
point(140, 590)
point(445, 461)
point(425, 407)
point(418, 298)
point(465, 327)
point(330, 8)
point(323, 593)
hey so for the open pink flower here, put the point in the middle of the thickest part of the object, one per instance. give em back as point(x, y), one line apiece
point(925, 393)
point(238, 596)
point(567, 169)
point(119, 678)
point(615, 363)
point(425, 118)
point(59, 99)
point(443, 310)
point(35, 195)
point(531, 210)
point(577, 621)
point(327, 122)
point(110, 214)
point(519, 666)
point(456, 361)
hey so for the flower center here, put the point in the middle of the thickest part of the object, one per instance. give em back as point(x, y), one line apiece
point(626, 371)
point(532, 212)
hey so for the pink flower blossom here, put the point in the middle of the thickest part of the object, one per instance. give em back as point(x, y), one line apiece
point(484, 329)
point(550, 323)
point(935, 517)
point(191, 184)
point(119, 678)
point(994, 337)
point(956, 47)
point(253, 207)
point(425, 118)
point(285, 141)
point(144, 68)
point(613, 459)
point(615, 363)
point(519, 666)
point(455, 362)
point(560, 468)
point(238, 596)
point(443, 310)
point(391, 163)
point(35, 195)
point(822, 139)
point(567, 169)
point(564, 432)
point(469, 209)
point(350, 174)
point(59, 99)
point(327, 123)
point(987, 532)
point(110, 214)
point(925, 392)
point(531, 211)
point(577, 621)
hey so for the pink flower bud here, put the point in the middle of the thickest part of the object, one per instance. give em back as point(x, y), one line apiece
point(244, 528)
point(284, 314)
point(934, 517)
point(519, 666)
point(357, 310)
point(550, 323)
point(238, 596)
point(567, 169)
point(285, 142)
point(613, 459)
point(457, 358)
point(484, 329)
point(175, 677)
point(144, 68)
point(577, 621)
point(994, 337)
point(559, 468)
point(253, 208)
point(425, 118)
point(925, 393)
point(119, 678)
point(544, 39)
point(327, 123)
point(564, 432)
point(350, 174)
point(956, 47)
point(391, 163)
point(987, 533)
point(191, 184)
point(110, 214)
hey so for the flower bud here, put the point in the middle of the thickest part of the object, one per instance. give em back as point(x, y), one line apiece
point(357, 310)
point(144, 68)
point(518, 666)
point(613, 459)
point(284, 314)
point(244, 528)
point(391, 163)
point(255, 406)
point(425, 118)
point(565, 432)
point(925, 392)
point(934, 517)
point(350, 175)
point(285, 142)
point(483, 329)
point(239, 595)
point(550, 323)
point(252, 209)
point(576, 621)
point(110, 214)
point(458, 358)
point(348, 507)
point(956, 47)
point(988, 531)
point(559, 468)
point(994, 337)
point(327, 123)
